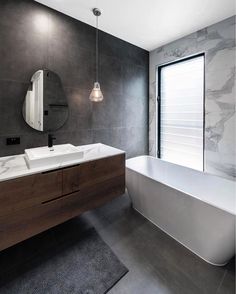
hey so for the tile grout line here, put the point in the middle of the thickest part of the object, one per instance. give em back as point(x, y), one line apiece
point(221, 282)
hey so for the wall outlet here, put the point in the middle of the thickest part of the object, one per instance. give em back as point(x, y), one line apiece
point(13, 141)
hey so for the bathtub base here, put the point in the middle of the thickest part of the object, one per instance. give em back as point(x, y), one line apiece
point(207, 231)
point(214, 264)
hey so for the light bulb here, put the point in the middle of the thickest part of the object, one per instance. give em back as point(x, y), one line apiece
point(96, 94)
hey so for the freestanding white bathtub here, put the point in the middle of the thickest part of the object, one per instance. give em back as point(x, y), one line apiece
point(195, 208)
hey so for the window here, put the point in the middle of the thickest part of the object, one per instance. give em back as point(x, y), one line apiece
point(181, 112)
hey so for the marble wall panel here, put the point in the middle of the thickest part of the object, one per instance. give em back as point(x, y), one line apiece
point(218, 44)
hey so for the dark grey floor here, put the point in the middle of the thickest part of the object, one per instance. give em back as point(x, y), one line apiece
point(157, 264)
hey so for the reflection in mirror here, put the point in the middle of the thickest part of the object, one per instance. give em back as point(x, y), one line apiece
point(45, 108)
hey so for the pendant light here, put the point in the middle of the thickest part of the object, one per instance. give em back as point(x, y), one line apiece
point(96, 94)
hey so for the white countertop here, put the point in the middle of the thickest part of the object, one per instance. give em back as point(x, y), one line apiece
point(12, 167)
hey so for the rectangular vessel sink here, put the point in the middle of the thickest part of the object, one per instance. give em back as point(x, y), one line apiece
point(44, 156)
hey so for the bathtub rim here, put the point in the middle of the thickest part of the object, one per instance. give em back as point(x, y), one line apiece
point(180, 190)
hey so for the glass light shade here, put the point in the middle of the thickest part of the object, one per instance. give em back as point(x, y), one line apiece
point(96, 94)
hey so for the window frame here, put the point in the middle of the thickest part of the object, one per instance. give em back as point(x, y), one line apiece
point(158, 100)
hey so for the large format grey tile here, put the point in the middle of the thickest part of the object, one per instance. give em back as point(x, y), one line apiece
point(122, 50)
point(72, 62)
point(227, 285)
point(12, 96)
point(135, 111)
point(142, 279)
point(80, 110)
point(32, 37)
point(71, 30)
point(21, 53)
point(135, 79)
point(109, 113)
point(157, 263)
point(180, 259)
point(110, 76)
point(79, 137)
point(26, 16)
point(138, 249)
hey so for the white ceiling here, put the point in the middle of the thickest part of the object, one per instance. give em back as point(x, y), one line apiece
point(147, 23)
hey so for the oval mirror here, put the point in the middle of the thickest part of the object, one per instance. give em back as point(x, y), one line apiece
point(45, 107)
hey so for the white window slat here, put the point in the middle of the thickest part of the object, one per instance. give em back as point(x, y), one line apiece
point(182, 112)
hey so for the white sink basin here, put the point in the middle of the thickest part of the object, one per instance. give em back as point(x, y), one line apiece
point(43, 156)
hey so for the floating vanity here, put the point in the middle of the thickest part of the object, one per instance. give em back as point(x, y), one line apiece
point(34, 199)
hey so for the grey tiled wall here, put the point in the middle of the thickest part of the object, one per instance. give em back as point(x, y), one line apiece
point(218, 44)
point(33, 37)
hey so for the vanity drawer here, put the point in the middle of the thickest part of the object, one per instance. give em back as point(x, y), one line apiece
point(71, 179)
point(90, 173)
point(31, 221)
point(28, 191)
point(101, 170)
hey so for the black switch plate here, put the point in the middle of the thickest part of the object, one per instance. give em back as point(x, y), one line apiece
point(13, 141)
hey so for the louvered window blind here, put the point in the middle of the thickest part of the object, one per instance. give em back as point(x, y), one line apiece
point(181, 112)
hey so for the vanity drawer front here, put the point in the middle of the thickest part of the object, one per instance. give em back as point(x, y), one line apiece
point(71, 180)
point(90, 173)
point(31, 221)
point(28, 191)
point(101, 170)
point(102, 192)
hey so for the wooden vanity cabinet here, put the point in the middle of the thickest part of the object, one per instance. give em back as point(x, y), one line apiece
point(32, 204)
point(28, 191)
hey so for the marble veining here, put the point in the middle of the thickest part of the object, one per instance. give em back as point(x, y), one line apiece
point(4, 167)
point(219, 45)
point(12, 167)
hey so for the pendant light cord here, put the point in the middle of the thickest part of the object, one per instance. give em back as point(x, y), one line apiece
point(96, 48)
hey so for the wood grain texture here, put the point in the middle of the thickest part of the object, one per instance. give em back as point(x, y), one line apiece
point(28, 191)
point(98, 183)
point(100, 170)
point(71, 179)
point(90, 173)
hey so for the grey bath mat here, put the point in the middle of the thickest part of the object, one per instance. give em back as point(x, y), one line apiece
point(84, 265)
